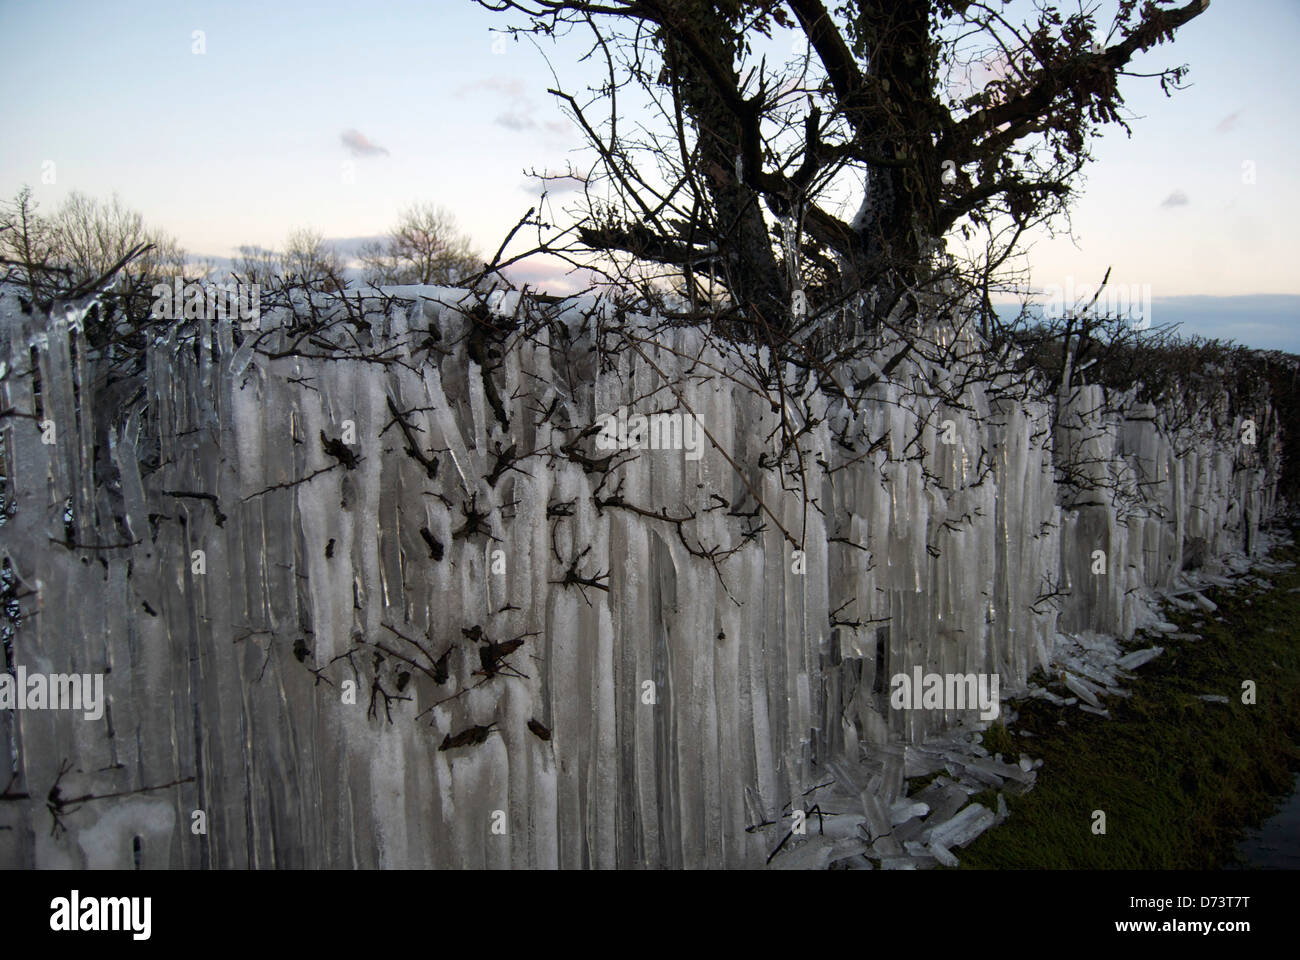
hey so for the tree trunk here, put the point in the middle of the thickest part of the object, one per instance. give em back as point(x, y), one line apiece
point(752, 273)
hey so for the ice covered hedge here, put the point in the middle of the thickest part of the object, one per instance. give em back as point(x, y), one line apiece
point(559, 655)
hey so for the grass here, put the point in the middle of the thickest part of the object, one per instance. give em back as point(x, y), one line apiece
point(1177, 777)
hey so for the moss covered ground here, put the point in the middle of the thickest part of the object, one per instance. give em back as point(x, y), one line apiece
point(1178, 778)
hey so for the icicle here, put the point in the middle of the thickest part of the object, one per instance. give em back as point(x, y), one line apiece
point(583, 765)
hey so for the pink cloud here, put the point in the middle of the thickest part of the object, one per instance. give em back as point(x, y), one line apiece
point(360, 145)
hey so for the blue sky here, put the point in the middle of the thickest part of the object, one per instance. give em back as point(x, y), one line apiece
point(243, 142)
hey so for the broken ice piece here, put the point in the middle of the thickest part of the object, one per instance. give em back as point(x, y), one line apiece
point(846, 776)
point(1048, 696)
point(949, 803)
point(812, 854)
point(998, 768)
point(943, 855)
point(965, 827)
point(886, 847)
point(1213, 698)
point(920, 763)
point(1003, 812)
point(983, 776)
point(930, 793)
point(848, 847)
point(1079, 688)
point(1026, 764)
point(904, 810)
point(877, 818)
point(1099, 711)
point(851, 863)
point(1205, 603)
point(908, 830)
point(1138, 657)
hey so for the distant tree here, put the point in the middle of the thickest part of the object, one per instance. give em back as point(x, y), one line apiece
point(90, 235)
point(258, 265)
point(309, 261)
point(27, 246)
point(424, 247)
point(85, 241)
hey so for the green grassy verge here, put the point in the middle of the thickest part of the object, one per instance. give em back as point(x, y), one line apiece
point(1177, 777)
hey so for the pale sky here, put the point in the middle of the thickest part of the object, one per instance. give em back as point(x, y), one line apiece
point(253, 137)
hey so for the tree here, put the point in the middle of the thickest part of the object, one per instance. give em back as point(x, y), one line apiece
point(84, 242)
point(736, 186)
point(424, 247)
point(310, 262)
point(90, 235)
point(257, 265)
point(27, 245)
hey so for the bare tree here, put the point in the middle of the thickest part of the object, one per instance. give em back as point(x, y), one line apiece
point(258, 265)
point(90, 235)
point(424, 247)
point(27, 246)
point(85, 241)
point(308, 260)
